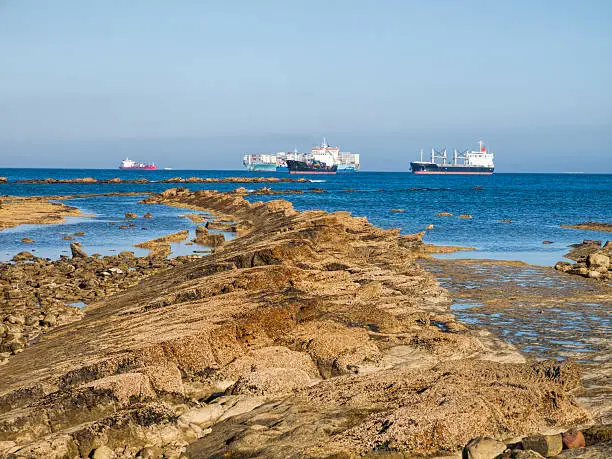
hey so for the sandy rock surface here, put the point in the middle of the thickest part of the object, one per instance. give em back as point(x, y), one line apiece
point(308, 334)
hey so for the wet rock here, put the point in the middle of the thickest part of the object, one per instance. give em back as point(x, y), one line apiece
point(573, 439)
point(130, 215)
point(444, 214)
point(597, 434)
point(3, 180)
point(547, 242)
point(77, 251)
point(483, 448)
point(506, 221)
point(148, 215)
point(67, 238)
point(597, 451)
point(429, 227)
point(546, 445)
point(24, 256)
point(27, 240)
point(396, 211)
point(465, 216)
point(79, 233)
point(563, 266)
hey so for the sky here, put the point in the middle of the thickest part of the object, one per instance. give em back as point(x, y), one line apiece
point(195, 84)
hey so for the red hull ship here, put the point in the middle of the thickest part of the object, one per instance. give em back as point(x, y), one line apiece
point(133, 165)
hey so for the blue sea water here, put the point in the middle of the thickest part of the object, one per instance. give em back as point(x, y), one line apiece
point(537, 204)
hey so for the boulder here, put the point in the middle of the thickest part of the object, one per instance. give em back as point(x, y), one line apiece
point(148, 215)
point(77, 251)
point(483, 448)
point(598, 260)
point(103, 452)
point(546, 445)
point(573, 439)
point(130, 215)
point(23, 256)
point(594, 274)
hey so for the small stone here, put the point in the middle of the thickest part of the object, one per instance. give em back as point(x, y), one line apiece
point(27, 240)
point(483, 448)
point(429, 227)
point(130, 215)
point(465, 216)
point(573, 439)
point(594, 274)
point(444, 214)
point(68, 238)
point(103, 452)
point(151, 452)
point(547, 242)
point(148, 215)
point(546, 445)
point(397, 211)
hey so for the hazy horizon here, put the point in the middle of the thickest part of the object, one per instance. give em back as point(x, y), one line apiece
point(195, 85)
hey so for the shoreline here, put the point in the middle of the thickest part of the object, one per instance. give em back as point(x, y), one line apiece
point(299, 307)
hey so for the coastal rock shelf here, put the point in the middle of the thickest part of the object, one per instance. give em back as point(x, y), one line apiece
point(308, 334)
point(15, 211)
point(592, 260)
point(91, 180)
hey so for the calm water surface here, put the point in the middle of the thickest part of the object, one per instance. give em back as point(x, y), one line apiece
point(537, 204)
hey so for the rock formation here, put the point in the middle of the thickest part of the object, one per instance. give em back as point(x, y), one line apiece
point(309, 334)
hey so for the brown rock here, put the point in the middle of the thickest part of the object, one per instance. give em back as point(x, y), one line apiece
point(444, 214)
point(483, 448)
point(130, 215)
point(148, 215)
point(465, 216)
point(68, 238)
point(598, 260)
point(546, 445)
point(77, 251)
point(573, 439)
point(547, 242)
point(563, 266)
point(24, 256)
point(396, 211)
point(27, 240)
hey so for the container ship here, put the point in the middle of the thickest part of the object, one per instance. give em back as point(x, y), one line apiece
point(133, 165)
point(336, 161)
point(467, 162)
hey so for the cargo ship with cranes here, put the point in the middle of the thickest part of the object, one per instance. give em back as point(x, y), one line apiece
point(323, 159)
point(128, 164)
point(466, 162)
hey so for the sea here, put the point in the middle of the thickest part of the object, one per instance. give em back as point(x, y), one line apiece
point(512, 214)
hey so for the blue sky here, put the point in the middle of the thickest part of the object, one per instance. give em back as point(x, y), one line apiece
point(194, 84)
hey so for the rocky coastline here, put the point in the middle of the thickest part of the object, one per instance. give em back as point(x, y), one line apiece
point(591, 226)
point(116, 180)
point(592, 260)
point(15, 211)
point(309, 334)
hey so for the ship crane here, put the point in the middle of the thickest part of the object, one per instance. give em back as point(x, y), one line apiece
point(457, 156)
point(438, 154)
